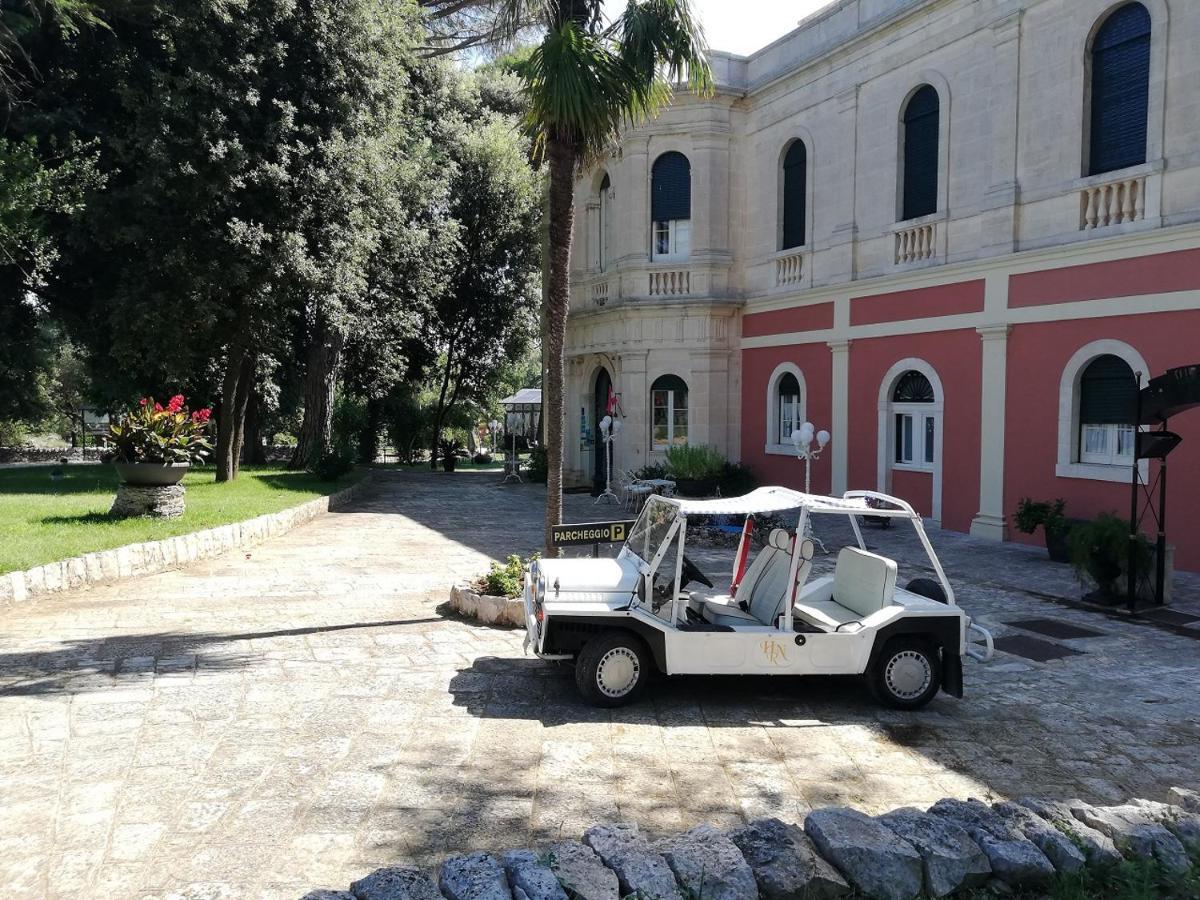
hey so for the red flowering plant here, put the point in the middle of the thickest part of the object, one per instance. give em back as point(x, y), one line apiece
point(153, 433)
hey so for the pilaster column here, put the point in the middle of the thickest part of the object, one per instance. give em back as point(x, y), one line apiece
point(710, 194)
point(592, 219)
point(708, 399)
point(990, 521)
point(843, 266)
point(1003, 192)
point(635, 401)
point(631, 191)
point(839, 425)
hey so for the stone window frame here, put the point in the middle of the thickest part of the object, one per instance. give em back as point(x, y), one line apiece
point(776, 444)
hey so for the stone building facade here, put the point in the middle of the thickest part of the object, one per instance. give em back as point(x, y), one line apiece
point(942, 229)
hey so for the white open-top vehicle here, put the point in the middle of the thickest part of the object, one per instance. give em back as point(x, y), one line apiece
point(621, 618)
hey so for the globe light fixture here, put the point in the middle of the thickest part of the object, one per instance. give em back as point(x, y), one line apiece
point(802, 440)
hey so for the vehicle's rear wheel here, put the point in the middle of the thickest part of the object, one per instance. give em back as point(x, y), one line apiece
point(612, 669)
point(926, 587)
point(907, 674)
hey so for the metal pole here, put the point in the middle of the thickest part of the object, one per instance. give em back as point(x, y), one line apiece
point(1132, 574)
point(1161, 544)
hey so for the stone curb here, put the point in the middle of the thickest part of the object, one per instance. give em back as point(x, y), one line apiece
point(839, 852)
point(487, 608)
point(105, 566)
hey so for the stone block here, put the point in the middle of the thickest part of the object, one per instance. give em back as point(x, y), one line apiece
point(1059, 848)
point(1185, 798)
point(1014, 859)
point(580, 871)
point(708, 864)
point(328, 895)
point(395, 883)
point(475, 876)
point(639, 869)
point(950, 859)
point(875, 859)
point(157, 501)
point(785, 863)
point(1097, 846)
point(530, 878)
point(1135, 831)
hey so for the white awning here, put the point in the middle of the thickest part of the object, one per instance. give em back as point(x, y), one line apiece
point(524, 400)
point(767, 500)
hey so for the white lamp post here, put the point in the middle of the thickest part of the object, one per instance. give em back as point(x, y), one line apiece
point(802, 440)
point(494, 428)
point(608, 431)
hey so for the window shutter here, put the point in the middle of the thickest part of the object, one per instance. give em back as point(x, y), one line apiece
point(921, 153)
point(795, 195)
point(1107, 393)
point(671, 188)
point(1120, 90)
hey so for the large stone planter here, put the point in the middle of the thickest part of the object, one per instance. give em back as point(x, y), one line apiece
point(149, 473)
point(160, 501)
point(487, 608)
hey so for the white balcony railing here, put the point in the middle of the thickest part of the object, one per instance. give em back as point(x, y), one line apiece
point(916, 243)
point(1114, 203)
point(669, 283)
point(600, 292)
point(789, 269)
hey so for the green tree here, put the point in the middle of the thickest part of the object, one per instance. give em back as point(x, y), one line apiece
point(584, 81)
point(489, 314)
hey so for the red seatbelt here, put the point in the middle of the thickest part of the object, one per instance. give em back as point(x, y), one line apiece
point(743, 552)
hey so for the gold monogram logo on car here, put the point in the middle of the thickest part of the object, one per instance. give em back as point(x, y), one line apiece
point(774, 652)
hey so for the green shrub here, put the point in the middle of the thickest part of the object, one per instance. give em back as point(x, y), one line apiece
point(736, 479)
point(697, 462)
point(651, 471)
point(1100, 550)
point(333, 465)
point(507, 580)
point(1032, 513)
point(539, 465)
point(12, 434)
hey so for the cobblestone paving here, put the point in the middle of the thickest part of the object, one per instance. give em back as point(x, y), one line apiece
point(267, 722)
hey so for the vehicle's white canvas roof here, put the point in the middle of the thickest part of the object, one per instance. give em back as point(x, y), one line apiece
point(773, 499)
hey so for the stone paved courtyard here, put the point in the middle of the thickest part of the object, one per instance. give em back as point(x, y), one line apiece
point(268, 722)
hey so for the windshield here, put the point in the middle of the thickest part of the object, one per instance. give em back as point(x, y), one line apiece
point(651, 528)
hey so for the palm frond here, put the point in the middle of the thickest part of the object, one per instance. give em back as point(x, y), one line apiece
point(662, 39)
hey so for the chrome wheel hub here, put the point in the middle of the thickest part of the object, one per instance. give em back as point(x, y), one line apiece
point(908, 675)
point(618, 672)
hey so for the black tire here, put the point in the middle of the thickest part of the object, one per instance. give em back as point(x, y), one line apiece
point(907, 674)
point(927, 587)
point(613, 669)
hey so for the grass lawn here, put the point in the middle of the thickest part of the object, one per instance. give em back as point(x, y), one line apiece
point(43, 519)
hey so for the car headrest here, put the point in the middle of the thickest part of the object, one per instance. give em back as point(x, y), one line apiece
point(780, 539)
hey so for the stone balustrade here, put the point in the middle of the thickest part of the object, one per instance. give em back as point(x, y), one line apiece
point(600, 292)
point(669, 283)
point(916, 243)
point(1113, 203)
point(789, 268)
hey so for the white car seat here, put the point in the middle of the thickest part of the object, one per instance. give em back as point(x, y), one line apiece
point(763, 589)
point(863, 584)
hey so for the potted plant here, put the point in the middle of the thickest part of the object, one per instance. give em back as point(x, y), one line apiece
point(1054, 523)
point(448, 450)
point(1100, 554)
point(695, 468)
point(154, 444)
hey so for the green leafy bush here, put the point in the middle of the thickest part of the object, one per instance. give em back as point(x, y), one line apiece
point(1032, 513)
point(651, 471)
point(333, 465)
point(695, 462)
point(539, 465)
point(155, 433)
point(1100, 551)
point(506, 580)
point(736, 479)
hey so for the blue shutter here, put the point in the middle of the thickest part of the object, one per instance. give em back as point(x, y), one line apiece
point(921, 154)
point(795, 192)
point(1107, 393)
point(671, 188)
point(1120, 90)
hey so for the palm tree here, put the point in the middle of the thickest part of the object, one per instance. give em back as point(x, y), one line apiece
point(585, 81)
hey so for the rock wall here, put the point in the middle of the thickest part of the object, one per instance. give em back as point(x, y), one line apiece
point(839, 852)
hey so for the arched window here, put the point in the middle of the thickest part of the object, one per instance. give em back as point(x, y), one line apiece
point(789, 414)
point(669, 412)
point(671, 206)
point(605, 225)
point(920, 163)
point(1107, 402)
point(795, 195)
point(1120, 90)
point(915, 422)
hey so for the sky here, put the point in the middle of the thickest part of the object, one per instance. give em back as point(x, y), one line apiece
point(743, 26)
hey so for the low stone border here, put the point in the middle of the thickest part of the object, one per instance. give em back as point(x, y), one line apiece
point(839, 852)
point(158, 556)
point(487, 608)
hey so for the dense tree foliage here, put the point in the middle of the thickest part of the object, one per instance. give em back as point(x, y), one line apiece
point(260, 207)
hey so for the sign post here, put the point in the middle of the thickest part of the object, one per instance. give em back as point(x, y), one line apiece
point(594, 533)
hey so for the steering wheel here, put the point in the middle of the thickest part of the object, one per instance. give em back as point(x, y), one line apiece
point(689, 572)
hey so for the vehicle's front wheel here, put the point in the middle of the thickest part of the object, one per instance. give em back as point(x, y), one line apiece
point(907, 674)
point(612, 669)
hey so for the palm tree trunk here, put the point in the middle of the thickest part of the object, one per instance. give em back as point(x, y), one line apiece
point(562, 155)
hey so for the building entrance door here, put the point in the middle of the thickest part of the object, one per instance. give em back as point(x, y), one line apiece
point(600, 453)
